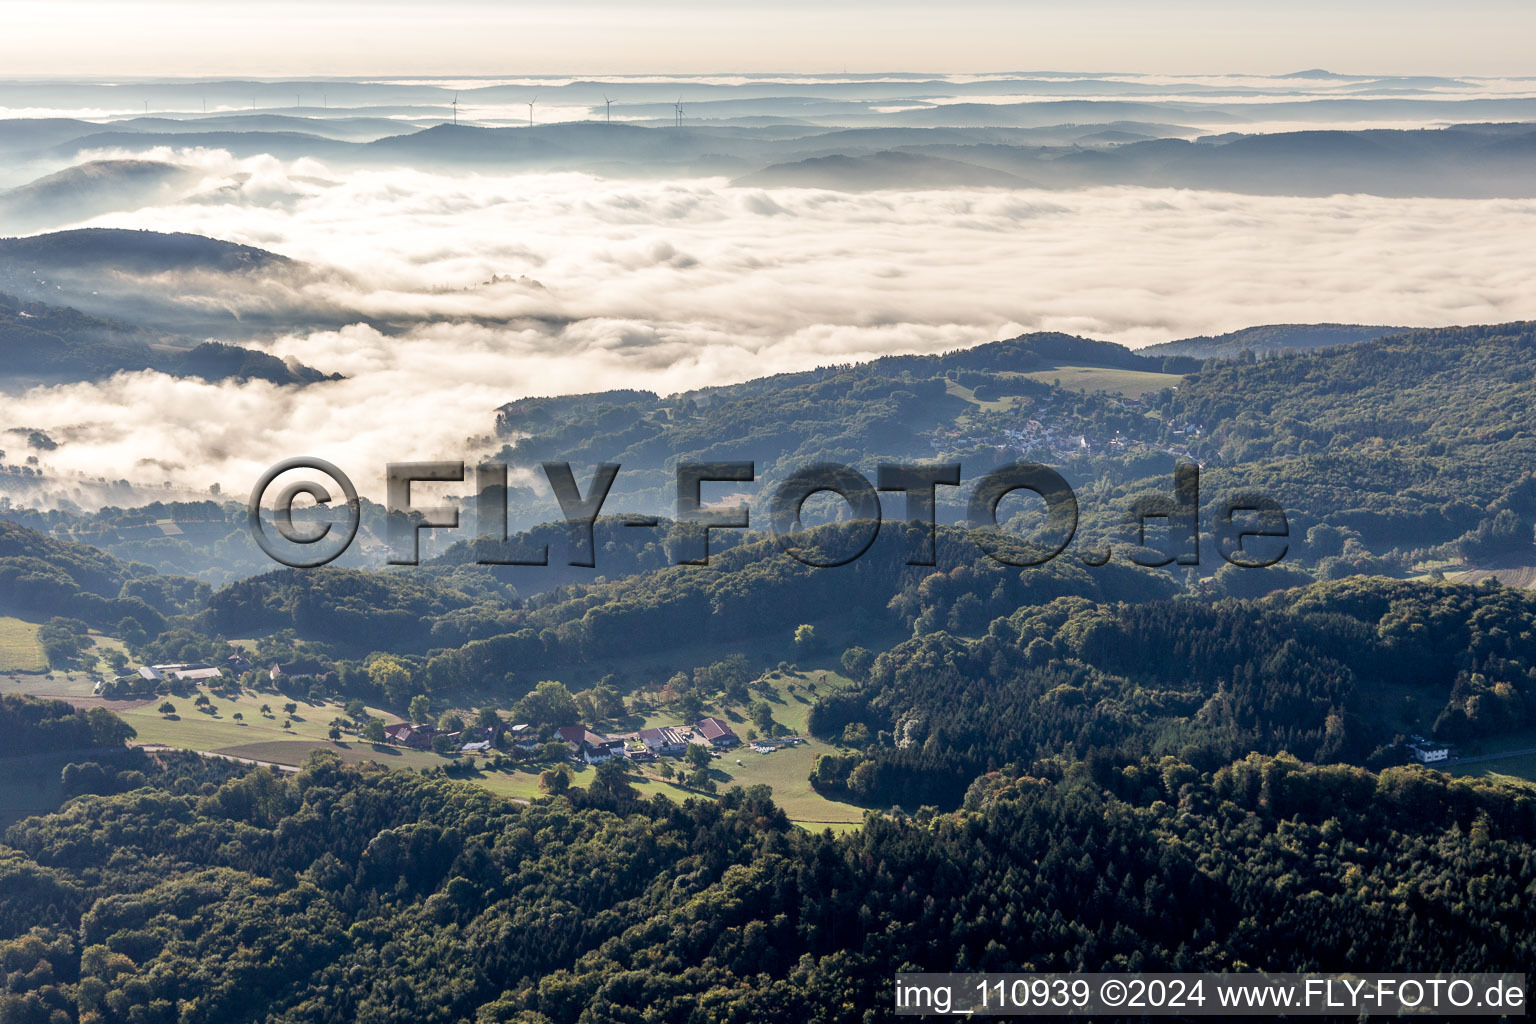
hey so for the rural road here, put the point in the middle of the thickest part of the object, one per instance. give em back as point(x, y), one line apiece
point(159, 747)
point(1492, 757)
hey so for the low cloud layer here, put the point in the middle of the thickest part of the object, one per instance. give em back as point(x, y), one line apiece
point(503, 287)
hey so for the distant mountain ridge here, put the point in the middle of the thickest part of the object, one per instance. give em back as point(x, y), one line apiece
point(87, 190)
point(884, 170)
point(39, 342)
point(176, 284)
point(1044, 144)
point(1269, 339)
point(137, 252)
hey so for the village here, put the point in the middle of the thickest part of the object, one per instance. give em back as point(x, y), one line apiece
point(1043, 430)
point(583, 744)
point(487, 736)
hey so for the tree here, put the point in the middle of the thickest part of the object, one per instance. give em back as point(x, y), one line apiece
point(334, 732)
point(391, 677)
point(697, 755)
point(287, 724)
point(805, 637)
point(266, 710)
point(762, 717)
point(373, 732)
point(555, 780)
point(488, 718)
point(107, 730)
point(421, 709)
point(612, 776)
point(450, 722)
point(550, 703)
point(167, 709)
point(665, 770)
point(607, 702)
point(356, 710)
point(856, 662)
point(290, 708)
point(553, 751)
point(442, 744)
point(238, 716)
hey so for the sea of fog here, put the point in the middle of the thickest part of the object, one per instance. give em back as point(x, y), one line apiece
point(540, 284)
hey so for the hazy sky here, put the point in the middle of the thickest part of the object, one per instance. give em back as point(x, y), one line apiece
point(367, 37)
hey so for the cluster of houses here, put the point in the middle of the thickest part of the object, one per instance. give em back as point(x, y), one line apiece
point(421, 737)
point(648, 744)
point(583, 743)
point(1053, 436)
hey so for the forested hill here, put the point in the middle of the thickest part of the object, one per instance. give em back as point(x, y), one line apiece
point(141, 253)
point(1400, 448)
point(1333, 672)
point(750, 591)
point(348, 893)
point(897, 407)
point(40, 576)
point(53, 344)
point(1268, 340)
point(1406, 442)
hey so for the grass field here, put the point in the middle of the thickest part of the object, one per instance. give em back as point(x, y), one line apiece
point(786, 771)
point(1526, 781)
point(19, 650)
point(1514, 576)
point(1130, 383)
point(991, 405)
point(1520, 767)
point(192, 729)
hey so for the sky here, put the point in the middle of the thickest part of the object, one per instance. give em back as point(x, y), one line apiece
point(354, 37)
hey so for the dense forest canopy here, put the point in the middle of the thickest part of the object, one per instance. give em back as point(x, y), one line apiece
point(364, 894)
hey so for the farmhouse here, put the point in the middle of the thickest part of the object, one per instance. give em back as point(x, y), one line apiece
point(664, 742)
point(589, 746)
point(407, 734)
point(716, 732)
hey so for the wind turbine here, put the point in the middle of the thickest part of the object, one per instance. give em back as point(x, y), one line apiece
point(455, 108)
point(530, 110)
point(609, 104)
point(677, 110)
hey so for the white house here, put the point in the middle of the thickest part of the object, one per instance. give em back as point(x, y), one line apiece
point(1428, 751)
